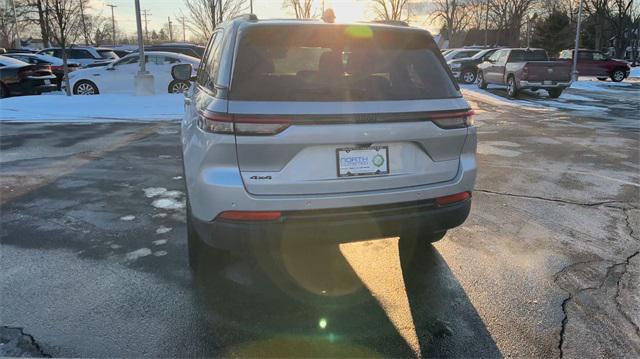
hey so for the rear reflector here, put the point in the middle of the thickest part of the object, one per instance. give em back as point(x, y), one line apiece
point(458, 197)
point(250, 216)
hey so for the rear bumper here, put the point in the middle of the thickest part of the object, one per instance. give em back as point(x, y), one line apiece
point(530, 84)
point(32, 87)
point(335, 225)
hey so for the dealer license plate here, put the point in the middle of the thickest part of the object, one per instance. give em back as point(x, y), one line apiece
point(363, 161)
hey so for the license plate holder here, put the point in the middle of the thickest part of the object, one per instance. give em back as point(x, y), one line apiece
point(362, 161)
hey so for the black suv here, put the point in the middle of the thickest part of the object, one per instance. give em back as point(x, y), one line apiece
point(466, 69)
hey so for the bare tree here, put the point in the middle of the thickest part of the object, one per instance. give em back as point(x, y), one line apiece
point(303, 9)
point(598, 11)
point(25, 19)
point(509, 16)
point(396, 10)
point(453, 14)
point(202, 16)
point(65, 17)
point(477, 10)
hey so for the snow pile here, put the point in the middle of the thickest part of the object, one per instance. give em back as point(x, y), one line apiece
point(100, 108)
point(599, 86)
point(635, 72)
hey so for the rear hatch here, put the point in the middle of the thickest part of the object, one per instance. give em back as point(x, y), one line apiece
point(328, 109)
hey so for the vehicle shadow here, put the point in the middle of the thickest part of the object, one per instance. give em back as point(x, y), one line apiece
point(310, 300)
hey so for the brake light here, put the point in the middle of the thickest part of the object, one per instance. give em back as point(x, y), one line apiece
point(250, 216)
point(454, 198)
point(58, 68)
point(451, 120)
point(241, 125)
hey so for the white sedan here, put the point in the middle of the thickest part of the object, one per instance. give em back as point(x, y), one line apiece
point(119, 76)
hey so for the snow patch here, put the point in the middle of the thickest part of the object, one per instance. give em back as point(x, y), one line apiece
point(154, 191)
point(159, 215)
point(172, 194)
point(163, 230)
point(177, 178)
point(159, 242)
point(160, 253)
point(142, 252)
point(168, 203)
point(99, 108)
point(635, 72)
point(128, 218)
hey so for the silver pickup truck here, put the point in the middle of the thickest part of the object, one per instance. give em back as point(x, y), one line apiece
point(524, 69)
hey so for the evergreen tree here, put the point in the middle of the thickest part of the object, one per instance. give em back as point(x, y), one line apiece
point(553, 33)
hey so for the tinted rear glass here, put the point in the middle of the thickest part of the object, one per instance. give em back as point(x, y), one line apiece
point(338, 63)
point(523, 55)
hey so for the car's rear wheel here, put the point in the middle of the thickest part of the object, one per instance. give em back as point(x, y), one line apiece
point(554, 93)
point(179, 87)
point(512, 89)
point(617, 76)
point(85, 88)
point(480, 82)
point(468, 76)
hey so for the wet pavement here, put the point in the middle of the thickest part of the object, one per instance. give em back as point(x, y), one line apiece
point(94, 259)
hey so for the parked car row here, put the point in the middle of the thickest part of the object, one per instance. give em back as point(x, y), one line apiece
point(33, 74)
point(20, 78)
point(590, 63)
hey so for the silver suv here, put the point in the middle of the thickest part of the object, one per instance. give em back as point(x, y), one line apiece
point(338, 132)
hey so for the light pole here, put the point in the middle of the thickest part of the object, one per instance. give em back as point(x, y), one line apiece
point(18, 44)
point(574, 73)
point(143, 80)
point(113, 24)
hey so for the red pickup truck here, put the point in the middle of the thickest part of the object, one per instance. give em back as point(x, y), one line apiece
point(598, 64)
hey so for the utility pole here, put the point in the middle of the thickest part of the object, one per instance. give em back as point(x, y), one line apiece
point(84, 23)
point(170, 29)
point(575, 49)
point(143, 79)
point(251, 6)
point(146, 31)
point(113, 24)
point(184, 29)
point(15, 24)
point(486, 25)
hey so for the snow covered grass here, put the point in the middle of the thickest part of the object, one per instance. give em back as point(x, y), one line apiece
point(99, 108)
point(593, 84)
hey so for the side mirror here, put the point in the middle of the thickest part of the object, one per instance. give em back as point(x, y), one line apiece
point(182, 72)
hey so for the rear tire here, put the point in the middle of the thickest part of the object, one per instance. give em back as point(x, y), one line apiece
point(480, 82)
point(179, 86)
point(554, 93)
point(468, 76)
point(512, 88)
point(85, 87)
point(617, 75)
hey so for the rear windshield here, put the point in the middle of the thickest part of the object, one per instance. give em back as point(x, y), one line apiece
point(108, 54)
point(525, 55)
point(338, 63)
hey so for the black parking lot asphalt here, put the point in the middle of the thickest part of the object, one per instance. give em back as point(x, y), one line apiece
point(94, 257)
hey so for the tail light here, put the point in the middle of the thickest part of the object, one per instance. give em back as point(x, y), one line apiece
point(454, 198)
point(241, 125)
point(450, 120)
point(250, 216)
